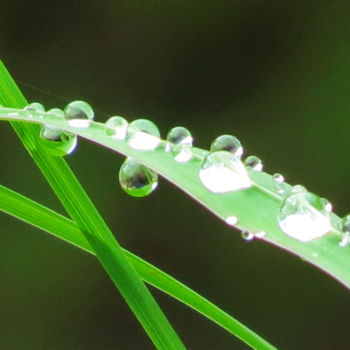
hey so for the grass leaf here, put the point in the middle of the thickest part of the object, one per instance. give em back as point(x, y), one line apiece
point(47, 220)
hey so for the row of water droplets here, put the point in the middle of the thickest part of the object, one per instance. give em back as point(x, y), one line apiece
point(302, 215)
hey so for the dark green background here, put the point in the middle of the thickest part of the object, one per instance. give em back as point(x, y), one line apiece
point(275, 74)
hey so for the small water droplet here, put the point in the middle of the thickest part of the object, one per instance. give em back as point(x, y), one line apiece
point(278, 177)
point(304, 216)
point(136, 179)
point(179, 142)
point(143, 135)
point(33, 107)
point(254, 163)
point(79, 114)
point(279, 183)
point(260, 234)
point(227, 143)
point(221, 172)
point(314, 254)
point(57, 142)
point(298, 188)
point(247, 236)
point(231, 220)
point(116, 127)
point(56, 111)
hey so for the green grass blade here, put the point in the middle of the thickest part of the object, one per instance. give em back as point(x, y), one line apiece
point(257, 208)
point(47, 220)
point(81, 209)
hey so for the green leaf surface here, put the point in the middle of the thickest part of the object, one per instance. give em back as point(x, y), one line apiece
point(83, 212)
point(45, 219)
point(256, 208)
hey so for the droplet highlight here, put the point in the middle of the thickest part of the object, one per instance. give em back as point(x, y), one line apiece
point(231, 220)
point(247, 236)
point(136, 179)
point(227, 143)
point(304, 216)
point(254, 163)
point(116, 127)
point(79, 114)
point(143, 135)
point(222, 172)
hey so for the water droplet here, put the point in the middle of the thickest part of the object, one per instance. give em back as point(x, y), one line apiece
point(178, 136)
point(231, 220)
point(314, 254)
point(33, 107)
point(143, 135)
point(254, 163)
point(260, 234)
point(57, 142)
point(56, 111)
point(221, 172)
point(79, 114)
point(136, 179)
point(227, 143)
point(179, 142)
point(116, 127)
point(279, 183)
point(247, 236)
point(304, 216)
point(345, 228)
point(298, 189)
point(278, 177)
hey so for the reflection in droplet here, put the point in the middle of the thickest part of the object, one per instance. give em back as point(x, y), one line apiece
point(227, 143)
point(254, 163)
point(79, 114)
point(304, 216)
point(136, 179)
point(116, 127)
point(221, 172)
point(143, 135)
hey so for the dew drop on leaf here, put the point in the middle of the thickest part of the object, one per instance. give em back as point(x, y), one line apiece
point(222, 172)
point(136, 179)
point(143, 135)
point(33, 107)
point(254, 163)
point(247, 236)
point(227, 143)
point(57, 142)
point(231, 220)
point(304, 216)
point(79, 114)
point(116, 127)
point(179, 143)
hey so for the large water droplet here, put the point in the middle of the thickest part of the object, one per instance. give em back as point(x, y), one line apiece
point(143, 135)
point(79, 114)
point(227, 143)
point(116, 127)
point(179, 142)
point(304, 216)
point(221, 172)
point(254, 163)
point(57, 142)
point(136, 179)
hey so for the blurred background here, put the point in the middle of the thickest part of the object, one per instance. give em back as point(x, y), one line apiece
point(275, 74)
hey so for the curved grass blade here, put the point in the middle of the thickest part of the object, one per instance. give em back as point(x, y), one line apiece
point(256, 208)
point(83, 212)
point(47, 220)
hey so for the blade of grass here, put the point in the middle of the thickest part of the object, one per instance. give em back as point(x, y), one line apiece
point(47, 220)
point(81, 209)
point(256, 208)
